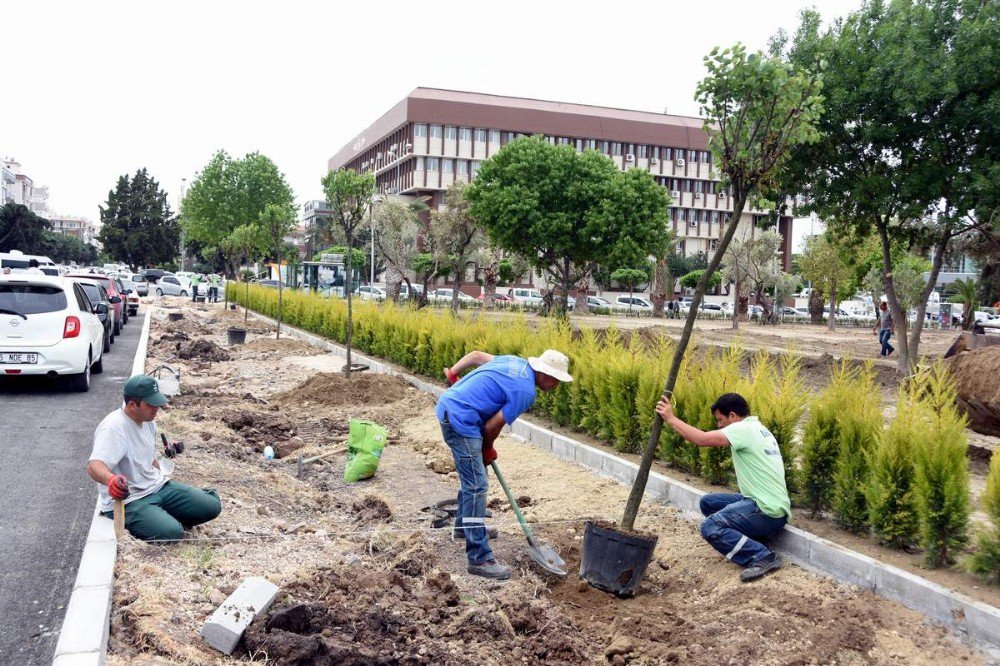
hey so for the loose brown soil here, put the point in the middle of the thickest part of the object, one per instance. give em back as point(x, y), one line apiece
point(977, 374)
point(365, 579)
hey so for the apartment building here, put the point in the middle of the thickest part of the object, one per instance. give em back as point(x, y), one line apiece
point(72, 225)
point(19, 188)
point(434, 137)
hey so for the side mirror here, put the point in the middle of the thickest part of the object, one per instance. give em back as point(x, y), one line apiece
point(100, 309)
point(116, 299)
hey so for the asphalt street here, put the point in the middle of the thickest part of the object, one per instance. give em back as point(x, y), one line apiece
point(46, 498)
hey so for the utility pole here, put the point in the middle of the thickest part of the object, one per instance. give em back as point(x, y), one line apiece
point(180, 200)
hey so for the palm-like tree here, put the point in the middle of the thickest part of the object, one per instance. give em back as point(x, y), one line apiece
point(966, 290)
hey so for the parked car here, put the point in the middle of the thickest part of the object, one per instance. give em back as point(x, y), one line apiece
point(169, 285)
point(443, 295)
point(404, 290)
point(48, 327)
point(141, 286)
point(791, 313)
point(714, 308)
point(598, 303)
point(97, 294)
point(525, 295)
point(633, 304)
point(114, 293)
point(273, 284)
point(497, 298)
point(131, 296)
point(369, 293)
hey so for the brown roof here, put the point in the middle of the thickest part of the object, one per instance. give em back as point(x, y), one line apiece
point(529, 116)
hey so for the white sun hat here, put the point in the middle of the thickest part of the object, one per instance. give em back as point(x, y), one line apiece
point(552, 363)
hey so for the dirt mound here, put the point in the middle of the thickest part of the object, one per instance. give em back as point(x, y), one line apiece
point(407, 612)
point(328, 388)
point(202, 350)
point(975, 374)
point(371, 509)
point(258, 428)
point(284, 346)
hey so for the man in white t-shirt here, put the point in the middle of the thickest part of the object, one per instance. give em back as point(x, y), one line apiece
point(124, 463)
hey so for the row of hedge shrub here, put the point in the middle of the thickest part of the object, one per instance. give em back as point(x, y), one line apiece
point(904, 482)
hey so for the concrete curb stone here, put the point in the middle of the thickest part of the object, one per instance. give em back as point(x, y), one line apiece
point(83, 638)
point(975, 620)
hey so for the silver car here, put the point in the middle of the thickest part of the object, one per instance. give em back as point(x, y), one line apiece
point(169, 285)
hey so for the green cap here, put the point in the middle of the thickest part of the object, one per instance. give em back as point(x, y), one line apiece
point(145, 388)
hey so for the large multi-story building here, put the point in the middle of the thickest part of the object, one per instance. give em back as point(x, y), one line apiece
point(72, 225)
point(434, 137)
point(19, 188)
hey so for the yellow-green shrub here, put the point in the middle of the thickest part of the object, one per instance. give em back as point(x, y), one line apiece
point(986, 562)
point(858, 435)
point(892, 510)
point(777, 397)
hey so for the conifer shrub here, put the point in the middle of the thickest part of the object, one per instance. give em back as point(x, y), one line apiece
point(777, 398)
point(821, 438)
point(857, 434)
point(985, 562)
point(892, 509)
point(942, 469)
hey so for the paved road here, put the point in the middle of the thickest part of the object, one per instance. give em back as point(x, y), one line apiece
point(46, 499)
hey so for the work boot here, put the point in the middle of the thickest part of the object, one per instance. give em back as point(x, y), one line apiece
point(490, 569)
point(758, 569)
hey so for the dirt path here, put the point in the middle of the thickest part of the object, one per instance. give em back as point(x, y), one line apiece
point(366, 580)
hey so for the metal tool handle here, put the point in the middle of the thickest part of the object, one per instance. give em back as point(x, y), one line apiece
point(513, 504)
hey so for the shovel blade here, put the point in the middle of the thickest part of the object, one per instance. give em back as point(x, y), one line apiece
point(547, 558)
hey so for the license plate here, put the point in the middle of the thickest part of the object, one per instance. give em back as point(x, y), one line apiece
point(18, 358)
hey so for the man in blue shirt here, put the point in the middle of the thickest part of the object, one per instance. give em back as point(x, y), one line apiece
point(472, 412)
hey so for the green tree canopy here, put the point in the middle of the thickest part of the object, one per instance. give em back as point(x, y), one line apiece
point(138, 227)
point(564, 210)
point(231, 192)
point(823, 264)
point(21, 229)
point(458, 234)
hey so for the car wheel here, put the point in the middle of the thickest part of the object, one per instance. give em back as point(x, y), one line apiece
point(159, 292)
point(98, 367)
point(107, 343)
point(125, 317)
point(81, 382)
point(183, 294)
point(117, 327)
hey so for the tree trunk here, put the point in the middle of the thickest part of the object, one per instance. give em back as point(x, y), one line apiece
point(564, 298)
point(659, 292)
point(831, 323)
point(898, 316)
point(918, 324)
point(737, 287)
point(582, 289)
point(642, 476)
point(491, 275)
point(348, 288)
point(816, 306)
point(393, 278)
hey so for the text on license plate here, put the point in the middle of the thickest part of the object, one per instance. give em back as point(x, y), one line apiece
point(19, 358)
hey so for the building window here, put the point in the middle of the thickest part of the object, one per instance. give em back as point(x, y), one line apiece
point(435, 131)
point(616, 148)
point(591, 144)
point(450, 132)
point(508, 137)
point(603, 146)
point(579, 144)
point(463, 167)
point(564, 141)
point(682, 215)
point(480, 136)
point(699, 186)
point(641, 150)
point(475, 167)
point(715, 217)
point(687, 185)
point(449, 166)
point(420, 129)
point(432, 164)
point(494, 136)
point(464, 134)
point(420, 164)
point(668, 153)
point(679, 153)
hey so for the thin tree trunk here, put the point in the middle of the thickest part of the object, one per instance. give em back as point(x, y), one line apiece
point(582, 288)
point(642, 476)
point(898, 316)
point(831, 320)
point(737, 287)
point(348, 288)
point(659, 292)
point(918, 328)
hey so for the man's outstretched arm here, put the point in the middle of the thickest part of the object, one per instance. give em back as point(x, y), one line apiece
point(694, 435)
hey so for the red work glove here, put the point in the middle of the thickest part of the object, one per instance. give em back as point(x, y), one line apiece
point(118, 487)
point(451, 377)
point(489, 454)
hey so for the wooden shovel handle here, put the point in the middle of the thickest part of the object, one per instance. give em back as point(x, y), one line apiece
point(119, 519)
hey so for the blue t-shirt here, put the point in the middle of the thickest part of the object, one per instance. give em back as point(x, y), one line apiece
point(507, 384)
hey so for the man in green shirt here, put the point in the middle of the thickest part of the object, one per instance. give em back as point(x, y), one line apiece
point(733, 521)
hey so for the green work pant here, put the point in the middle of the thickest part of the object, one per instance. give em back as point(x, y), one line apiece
point(164, 515)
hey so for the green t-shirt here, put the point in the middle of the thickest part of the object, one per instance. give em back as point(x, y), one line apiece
point(760, 472)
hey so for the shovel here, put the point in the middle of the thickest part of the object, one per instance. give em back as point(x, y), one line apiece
point(542, 553)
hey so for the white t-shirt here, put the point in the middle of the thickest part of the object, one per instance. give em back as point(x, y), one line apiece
point(129, 450)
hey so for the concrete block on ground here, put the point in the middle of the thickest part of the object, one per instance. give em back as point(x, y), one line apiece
point(101, 529)
point(97, 564)
point(541, 438)
point(793, 542)
point(590, 457)
point(79, 659)
point(914, 592)
point(563, 447)
point(225, 627)
point(84, 628)
point(843, 564)
point(520, 429)
point(982, 622)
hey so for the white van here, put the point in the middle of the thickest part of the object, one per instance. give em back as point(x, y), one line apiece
point(18, 261)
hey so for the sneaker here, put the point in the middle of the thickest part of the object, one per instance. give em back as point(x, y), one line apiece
point(757, 570)
point(490, 569)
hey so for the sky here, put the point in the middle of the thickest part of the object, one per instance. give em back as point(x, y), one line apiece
point(98, 89)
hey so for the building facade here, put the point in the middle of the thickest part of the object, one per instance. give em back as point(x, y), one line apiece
point(19, 188)
point(72, 225)
point(434, 137)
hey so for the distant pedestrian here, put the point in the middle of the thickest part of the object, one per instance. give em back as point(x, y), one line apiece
point(33, 267)
point(194, 288)
point(884, 328)
point(213, 289)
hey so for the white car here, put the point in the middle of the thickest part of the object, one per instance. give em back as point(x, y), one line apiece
point(635, 304)
point(525, 295)
point(598, 303)
point(443, 295)
point(169, 285)
point(49, 327)
point(369, 293)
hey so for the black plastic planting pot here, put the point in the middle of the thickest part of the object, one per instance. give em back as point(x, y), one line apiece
point(237, 336)
point(615, 561)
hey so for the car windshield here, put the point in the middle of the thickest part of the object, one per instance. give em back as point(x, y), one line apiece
point(31, 298)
